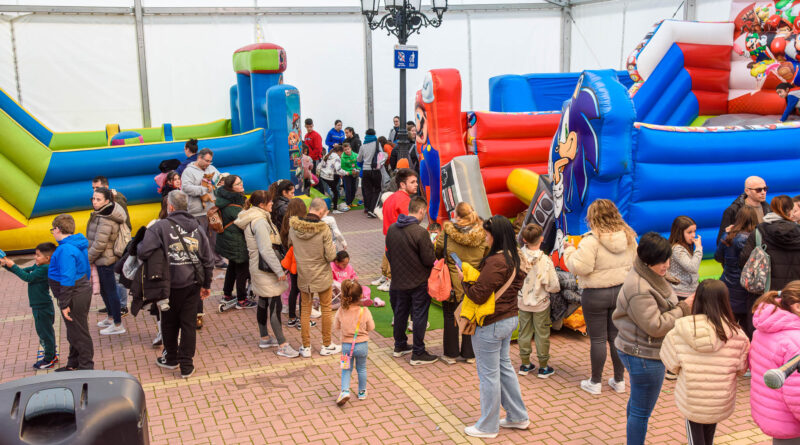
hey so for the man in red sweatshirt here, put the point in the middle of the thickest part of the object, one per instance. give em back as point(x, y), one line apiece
point(315, 150)
point(396, 205)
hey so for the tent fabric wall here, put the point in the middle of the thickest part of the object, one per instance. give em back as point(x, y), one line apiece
point(8, 80)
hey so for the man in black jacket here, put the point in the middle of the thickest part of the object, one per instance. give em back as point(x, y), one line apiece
point(410, 254)
point(755, 196)
point(190, 278)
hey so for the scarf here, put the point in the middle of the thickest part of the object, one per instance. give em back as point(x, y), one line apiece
point(370, 138)
point(657, 282)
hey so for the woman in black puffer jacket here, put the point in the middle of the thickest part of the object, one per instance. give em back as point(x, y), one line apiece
point(782, 237)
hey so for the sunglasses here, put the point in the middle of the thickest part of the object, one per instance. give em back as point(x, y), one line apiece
point(759, 189)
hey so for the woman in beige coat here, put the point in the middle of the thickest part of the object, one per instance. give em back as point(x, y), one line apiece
point(707, 351)
point(601, 262)
point(263, 239)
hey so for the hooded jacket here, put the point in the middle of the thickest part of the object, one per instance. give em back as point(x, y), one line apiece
point(261, 235)
point(334, 137)
point(355, 142)
point(279, 207)
point(410, 253)
point(541, 280)
point(775, 341)
point(313, 251)
point(468, 243)
point(782, 238)
point(192, 185)
point(601, 260)
point(330, 168)
point(70, 261)
point(732, 271)
point(495, 272)
point(181, 265)
point(120, 199)
point(706, 367)
point(647, 308)
point(729, 215)
point(230, 243)
point(102, 231)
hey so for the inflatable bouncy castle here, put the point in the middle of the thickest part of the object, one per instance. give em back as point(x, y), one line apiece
point(47, 173)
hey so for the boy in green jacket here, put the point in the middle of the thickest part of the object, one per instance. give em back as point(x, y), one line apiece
point(39, 299)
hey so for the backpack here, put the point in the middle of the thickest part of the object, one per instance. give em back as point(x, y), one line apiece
point(439, 284)
point(756, 273)
point(123, 238)
point(214, 215)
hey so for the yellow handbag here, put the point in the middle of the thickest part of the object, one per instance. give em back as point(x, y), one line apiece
point(473, 312)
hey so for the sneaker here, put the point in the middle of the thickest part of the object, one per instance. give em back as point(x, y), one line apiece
point(471, 361)
point(331, 349)
point(123, 311)
point(362, 395)
point(343, 207)
point(221, 265)
point(504, 423)
point(315, 313)
point(287, 351)
point(268, 343)
point(385, 286)
point(411, 326)
point(187, 374)
point(399, 352)
point(44, 364)
point(336, 212)
point(379, 281)
point(162, 363)
point(285, 309)
point(159, 340)
point(423, 359)
point(474, 432)
point(113, 330)
point(102, 310)
point(292, 321)
point(545, 372)
point(104, 323)
point(448, 360)
point(66, 369)
point(617, 386)
point(671, 376)
point(245, 304)
point(591, 388)
point(371, 215)
point(525, 369)
point(305, 352)
point(300, 327)
point(343, 398)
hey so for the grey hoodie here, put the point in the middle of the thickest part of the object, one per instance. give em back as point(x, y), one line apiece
point(191, 184)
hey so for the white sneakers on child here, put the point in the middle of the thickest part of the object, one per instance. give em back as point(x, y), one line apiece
point(617, 386)
point(379, 281)
point(385, 286)
point(331, 349)
point(591, 388)
point(305, 352)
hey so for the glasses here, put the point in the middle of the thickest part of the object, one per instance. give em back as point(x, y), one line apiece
point(759, 189)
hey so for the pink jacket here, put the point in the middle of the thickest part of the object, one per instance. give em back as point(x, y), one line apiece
point(775, 341)
point(339, 275)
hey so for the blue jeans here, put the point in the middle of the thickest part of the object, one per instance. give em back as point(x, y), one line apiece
point(122, 292)
point(108, 290)
point(498, 379)
point(360, 359)
point(646, 377)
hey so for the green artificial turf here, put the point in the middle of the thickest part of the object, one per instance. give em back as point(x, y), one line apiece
point(383, 315)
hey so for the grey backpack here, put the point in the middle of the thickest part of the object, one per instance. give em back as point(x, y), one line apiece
point(756, 272)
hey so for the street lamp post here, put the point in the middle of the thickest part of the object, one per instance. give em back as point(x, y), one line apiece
point(402, 18)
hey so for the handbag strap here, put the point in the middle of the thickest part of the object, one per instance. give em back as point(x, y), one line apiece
point(358, 323)
point(758, 240)
point(507, 285)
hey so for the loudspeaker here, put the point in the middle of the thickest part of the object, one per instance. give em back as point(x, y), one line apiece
point(75, 407)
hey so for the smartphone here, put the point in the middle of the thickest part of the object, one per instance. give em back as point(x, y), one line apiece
point(456, 259)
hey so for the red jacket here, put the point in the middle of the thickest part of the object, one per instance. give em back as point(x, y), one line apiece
point(314, 142)
point(395, 204)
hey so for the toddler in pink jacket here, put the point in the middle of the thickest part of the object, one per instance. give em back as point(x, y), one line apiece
point(342, 270)
point(775, 341)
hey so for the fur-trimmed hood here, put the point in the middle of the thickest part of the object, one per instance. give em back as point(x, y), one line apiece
point(470, 236)
point(307, 226)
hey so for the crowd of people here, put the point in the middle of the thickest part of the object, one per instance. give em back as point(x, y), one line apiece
point(640, 295)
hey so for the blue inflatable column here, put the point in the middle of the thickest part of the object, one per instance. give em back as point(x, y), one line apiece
point(283, 138)
point(259, 84)
point(234, 110)
point(245, 103)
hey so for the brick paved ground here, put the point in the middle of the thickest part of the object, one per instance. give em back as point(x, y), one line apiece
point(244, 395)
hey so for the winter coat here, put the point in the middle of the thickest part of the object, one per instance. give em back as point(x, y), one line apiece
point(782, 238)
point(686, 268)
point(261, 234)
point(495, 272)
point(647, 308)
point(151, 281)
point(732, 272)
point(334, 137)
point(706, 367)
point(313, 251)
point(601, 260)
point(192, 185)
point(230, 243)
point(120, 199)
point(102, 231)
point(279, 207)
point(729, 215)
point(468, 243)
point(70, 261)
point(160, 237)
point(330, 168)
point(775, 341)
point(368, 151)
point(410, 253)
point(541, 280)
point(355, 143)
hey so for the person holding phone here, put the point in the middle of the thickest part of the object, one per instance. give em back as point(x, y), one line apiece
point(687, 252)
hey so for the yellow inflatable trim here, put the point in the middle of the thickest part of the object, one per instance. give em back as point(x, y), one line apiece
point(522, 183)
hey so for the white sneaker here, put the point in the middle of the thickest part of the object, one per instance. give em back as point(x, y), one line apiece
point(591, 388)
point(268, 343)
point(104, 323)
point(315, 313)
point(617, 386)
point(287, 351)
point(331, 349)
point(285, 309)
point(113, 330)
point(385, 286)
point(474, 432)
point(504, 423)
point(305, 352)
point(379, 281)
point(343, 207)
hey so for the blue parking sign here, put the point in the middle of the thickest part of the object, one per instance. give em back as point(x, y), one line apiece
point(406, 56)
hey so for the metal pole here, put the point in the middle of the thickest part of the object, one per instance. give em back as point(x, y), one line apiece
point(690, 10)
point(15, 61)
point(143, 87)
point(402, 38)
point(368, 74)
point(566, 39)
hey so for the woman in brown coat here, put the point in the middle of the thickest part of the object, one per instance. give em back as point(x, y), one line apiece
point(464, 237)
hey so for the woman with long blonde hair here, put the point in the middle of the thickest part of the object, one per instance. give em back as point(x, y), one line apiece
point(601, 262)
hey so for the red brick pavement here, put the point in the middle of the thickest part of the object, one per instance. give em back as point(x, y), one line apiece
point(243, 395)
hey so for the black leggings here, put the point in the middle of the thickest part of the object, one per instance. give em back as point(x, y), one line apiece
point(700, 433)
point(293, 293)
point(598, 305)
point(236, 273)
point(269, 310)
point(334, 186)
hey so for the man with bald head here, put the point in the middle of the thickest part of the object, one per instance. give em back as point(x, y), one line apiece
point(755, 196)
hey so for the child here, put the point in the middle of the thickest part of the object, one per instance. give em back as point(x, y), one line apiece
point(433, 229)
point(307, 177)
point(39, 300)
point(792, 99)
point(534, 302)
point(355, 322)
point(68, 275)
point(687, 252)
point(338, 238)
point(343, 270)
point(776, 340)
point(707, 351)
